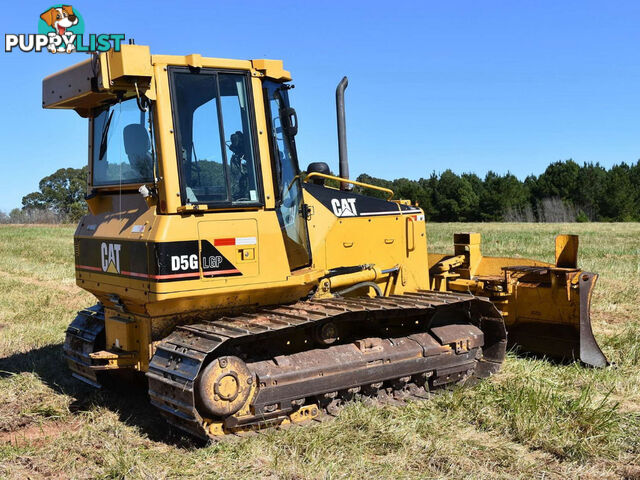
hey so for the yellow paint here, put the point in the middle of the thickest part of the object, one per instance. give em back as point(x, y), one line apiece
point(273, 69)
point(130, 61)
point(228, 386)
point(548, 296)
point(216, 429)
point(567, 251)
point(308, 412)
point(243, 225)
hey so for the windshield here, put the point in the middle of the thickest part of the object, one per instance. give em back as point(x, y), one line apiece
point(122, 147)
point(214, 137)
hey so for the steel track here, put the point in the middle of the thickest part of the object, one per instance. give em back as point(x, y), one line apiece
point(179, 358)
point(84, 336)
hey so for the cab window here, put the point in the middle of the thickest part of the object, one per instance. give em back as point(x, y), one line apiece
point(122, 146)
point(214, 138)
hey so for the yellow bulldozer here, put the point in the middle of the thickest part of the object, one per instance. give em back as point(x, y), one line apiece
point(253, 294)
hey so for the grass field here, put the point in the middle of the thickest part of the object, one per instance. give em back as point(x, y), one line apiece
point(535, 419)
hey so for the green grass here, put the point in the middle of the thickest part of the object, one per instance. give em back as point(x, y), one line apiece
point(536, 419)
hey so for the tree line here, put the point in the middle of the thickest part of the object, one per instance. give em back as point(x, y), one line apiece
point(59, 199)
point(564, 192)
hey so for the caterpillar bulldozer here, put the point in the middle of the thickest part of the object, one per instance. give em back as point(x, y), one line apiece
point(252, 294)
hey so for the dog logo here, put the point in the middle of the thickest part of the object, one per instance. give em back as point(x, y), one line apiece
point(60, 18)
point(61, 30)
point(62, 22)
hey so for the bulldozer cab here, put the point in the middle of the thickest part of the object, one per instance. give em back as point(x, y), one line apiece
point(218, 154)
point(193, 137)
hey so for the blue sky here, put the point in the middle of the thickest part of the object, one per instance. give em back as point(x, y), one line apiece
point(467, 85)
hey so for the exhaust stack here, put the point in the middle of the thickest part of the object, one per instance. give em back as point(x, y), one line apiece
point(342, 133)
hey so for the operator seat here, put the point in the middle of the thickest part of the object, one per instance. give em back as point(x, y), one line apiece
point(138, 148)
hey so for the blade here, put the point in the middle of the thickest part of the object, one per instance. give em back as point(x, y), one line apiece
point(562, 337)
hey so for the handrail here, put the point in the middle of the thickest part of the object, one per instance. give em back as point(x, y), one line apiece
point(354, 182)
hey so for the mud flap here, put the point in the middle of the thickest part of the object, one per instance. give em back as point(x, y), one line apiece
point(572, 341)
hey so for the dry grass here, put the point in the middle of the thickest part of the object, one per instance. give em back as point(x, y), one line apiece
point(534, 420)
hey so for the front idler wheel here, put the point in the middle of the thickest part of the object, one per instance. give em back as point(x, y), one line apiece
point(224, 387)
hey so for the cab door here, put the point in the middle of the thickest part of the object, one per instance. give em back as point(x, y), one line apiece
point(218, 161)
point(290, 207)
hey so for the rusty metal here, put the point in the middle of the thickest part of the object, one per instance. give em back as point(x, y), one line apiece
point(402, 356)
point(590, 352)
point(225, 386)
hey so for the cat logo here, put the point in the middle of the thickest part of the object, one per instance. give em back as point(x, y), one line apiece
point(345, 207)
point(110, 257)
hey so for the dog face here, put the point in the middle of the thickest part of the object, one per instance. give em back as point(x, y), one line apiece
point(60, 18)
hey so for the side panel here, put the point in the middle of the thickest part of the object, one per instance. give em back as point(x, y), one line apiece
point(348, 229)
point(228, 248)
point(175, 264)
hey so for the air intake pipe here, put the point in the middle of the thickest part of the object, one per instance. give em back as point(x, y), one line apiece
point(342, 133)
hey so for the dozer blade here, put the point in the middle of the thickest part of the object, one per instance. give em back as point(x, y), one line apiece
point(546, 307)
point(547, 324)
